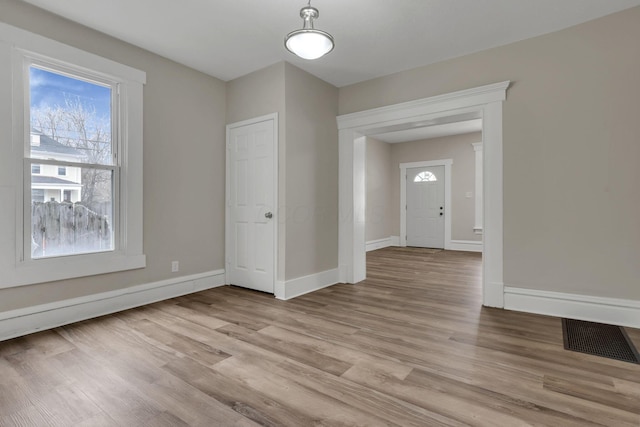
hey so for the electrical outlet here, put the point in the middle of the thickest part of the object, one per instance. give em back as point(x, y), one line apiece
point(175, 266)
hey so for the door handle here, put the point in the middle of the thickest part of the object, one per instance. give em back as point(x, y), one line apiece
point(268, 215)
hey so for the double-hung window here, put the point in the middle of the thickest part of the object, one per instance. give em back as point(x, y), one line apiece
point(71, 150)
point(71, 118)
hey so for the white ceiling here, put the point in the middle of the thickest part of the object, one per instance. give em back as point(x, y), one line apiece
point(432, 131)
point(230, 38)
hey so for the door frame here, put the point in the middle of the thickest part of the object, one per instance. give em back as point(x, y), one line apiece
point(485, 102)
point(228, 256)
point(447, 197)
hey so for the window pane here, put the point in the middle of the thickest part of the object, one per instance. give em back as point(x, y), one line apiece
point(425, 176)
point(72, 215)
point(70, 118)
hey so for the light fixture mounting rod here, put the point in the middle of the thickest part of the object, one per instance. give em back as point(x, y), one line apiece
point(309, 13)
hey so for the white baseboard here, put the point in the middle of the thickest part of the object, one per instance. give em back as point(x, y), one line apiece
point(303, 285)
point(582, 307)
point(372, 245)
point(465, 245)
point(24, 321)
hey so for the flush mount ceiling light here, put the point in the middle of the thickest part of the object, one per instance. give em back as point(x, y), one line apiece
point(309, 43)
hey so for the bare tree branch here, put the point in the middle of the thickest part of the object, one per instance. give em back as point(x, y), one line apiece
point(78, 126)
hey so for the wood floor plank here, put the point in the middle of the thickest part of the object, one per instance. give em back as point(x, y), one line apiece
point(316, 407)
point(287, 348)
point(319, 346)
point(26, 417)
point(628, 388)
point(203, 353)
point(593, 393)
point(230, 316)
point(237, 396)
point(39, 346)
point(114, 395)
point(284, 314)
point(101, 420)
point(409, 346)
point(391, 409)
point(15, 390)
point(205, 319)
point(66, 405)
point(384, 404)
point(148, 379)
point(433, 400)
point(39, 374)
point(192, 405)
point(546, 352)
point(501, 402)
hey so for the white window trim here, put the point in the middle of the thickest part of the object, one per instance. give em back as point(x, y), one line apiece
point(15, 46)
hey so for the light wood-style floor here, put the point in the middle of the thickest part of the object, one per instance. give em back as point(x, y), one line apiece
point(410, 346)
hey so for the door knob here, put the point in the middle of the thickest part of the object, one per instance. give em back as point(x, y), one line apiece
point(268, 215)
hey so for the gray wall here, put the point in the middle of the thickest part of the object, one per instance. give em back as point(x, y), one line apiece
point(458, 148)
point(311, 174)
point(379, 180)
point(308, 161)
point(257, 94)
point(571, 151)
point(184, 119)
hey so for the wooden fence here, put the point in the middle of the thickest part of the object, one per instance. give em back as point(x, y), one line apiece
point(67, 228)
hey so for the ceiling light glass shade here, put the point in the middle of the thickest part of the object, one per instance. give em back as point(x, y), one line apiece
point(309, 43)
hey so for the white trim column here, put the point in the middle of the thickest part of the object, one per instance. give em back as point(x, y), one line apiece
point(493, 285)
point(477, 225)
point(352, 206)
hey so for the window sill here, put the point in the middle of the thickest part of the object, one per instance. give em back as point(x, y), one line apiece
point(53, 269)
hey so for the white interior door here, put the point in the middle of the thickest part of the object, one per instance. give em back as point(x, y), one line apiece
point(425, 207)
point(251, 202)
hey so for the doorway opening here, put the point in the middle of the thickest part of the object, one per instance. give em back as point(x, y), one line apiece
point(483, 102)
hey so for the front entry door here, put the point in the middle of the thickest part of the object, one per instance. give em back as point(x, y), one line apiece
point(425, 207)
point(251, 202)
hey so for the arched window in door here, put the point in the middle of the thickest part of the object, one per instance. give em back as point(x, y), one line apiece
point(425, 176)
